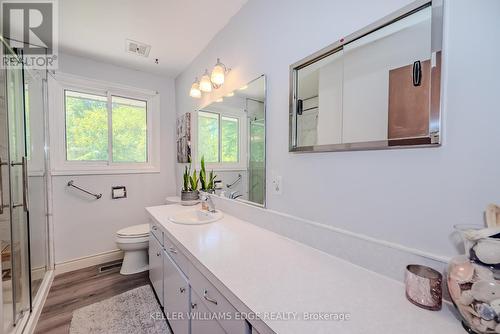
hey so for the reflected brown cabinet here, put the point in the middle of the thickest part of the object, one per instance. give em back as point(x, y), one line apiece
point(409, 102)
point(410, 107)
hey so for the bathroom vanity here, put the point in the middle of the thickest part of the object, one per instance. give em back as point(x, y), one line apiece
point(182, 289)
point(257, 281)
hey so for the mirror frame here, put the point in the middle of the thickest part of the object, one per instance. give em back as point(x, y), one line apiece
point(434, 137)
point(195, 139)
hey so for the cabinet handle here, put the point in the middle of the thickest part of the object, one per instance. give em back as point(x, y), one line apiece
point(182, 290)
point(172, 250)
point(208, 299)
point(300, 107)
point(417, 73)
point(193, 305)
point(158, 254)
point(154, 228)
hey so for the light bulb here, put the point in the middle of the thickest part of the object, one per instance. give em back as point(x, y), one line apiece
point(230, 94)
point(220, 99)
point(218, 73)
point(205, 83)
point(195, 90)
point(244, 87)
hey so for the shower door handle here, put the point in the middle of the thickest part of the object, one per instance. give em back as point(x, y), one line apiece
point(25, 183)
point(2, 205)
point(24, 164)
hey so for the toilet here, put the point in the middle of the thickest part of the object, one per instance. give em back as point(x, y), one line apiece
point(134, 242)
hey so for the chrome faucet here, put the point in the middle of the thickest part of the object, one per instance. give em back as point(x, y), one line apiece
point(234, 195)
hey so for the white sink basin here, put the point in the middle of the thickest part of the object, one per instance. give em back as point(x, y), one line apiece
point(196, 217)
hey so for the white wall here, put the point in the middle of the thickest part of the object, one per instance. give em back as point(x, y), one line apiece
point(84, 227)
point(412, 197)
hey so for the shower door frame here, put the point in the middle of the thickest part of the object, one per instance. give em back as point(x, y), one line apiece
point(25, 317)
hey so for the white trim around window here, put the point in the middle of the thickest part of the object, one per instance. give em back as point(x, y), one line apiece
point(57, 126)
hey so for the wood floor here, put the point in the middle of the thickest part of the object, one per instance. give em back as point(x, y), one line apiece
point(76, 289)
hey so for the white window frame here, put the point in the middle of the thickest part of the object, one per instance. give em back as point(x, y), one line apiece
point(57, 118)
point(242, 150)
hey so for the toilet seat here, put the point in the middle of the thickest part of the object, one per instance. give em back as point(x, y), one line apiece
point(132, 240)
point(136, 231)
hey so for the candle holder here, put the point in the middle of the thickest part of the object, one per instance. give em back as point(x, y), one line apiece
point(424, 287)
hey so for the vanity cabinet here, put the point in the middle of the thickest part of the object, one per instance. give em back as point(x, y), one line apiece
point(189, 299)
point(176, 293)
point(156, 266)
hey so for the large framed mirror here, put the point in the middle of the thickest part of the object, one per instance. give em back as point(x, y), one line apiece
point(377, 88)
point(230, 134)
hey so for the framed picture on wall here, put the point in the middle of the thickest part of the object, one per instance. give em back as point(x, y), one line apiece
point(184, 138)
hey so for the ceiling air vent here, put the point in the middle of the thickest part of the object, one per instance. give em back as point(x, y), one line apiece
point(137, 48)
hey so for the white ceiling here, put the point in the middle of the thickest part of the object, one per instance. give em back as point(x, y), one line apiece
point(177, 30)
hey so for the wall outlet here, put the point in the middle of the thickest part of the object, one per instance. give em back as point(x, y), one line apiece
point(277, 185)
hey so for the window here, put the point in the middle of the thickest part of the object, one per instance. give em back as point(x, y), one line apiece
point(129, 130)
point(229, 139)
point(218, 138)
point(87, 131)
point(208, 136)
point(104, 128)
point(86, 127)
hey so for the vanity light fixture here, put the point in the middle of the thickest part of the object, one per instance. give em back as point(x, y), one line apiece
point(218, 74)
point(205, 83)
point(230, 94)
point(209, 81)
point(195, 91)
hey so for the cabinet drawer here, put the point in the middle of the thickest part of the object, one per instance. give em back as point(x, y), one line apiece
point(175, 296)
point(217, 303)
point(176, 255)
point(156, 231)
point(201, 322)
point(156, 266)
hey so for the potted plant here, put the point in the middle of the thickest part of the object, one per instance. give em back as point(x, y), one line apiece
point(207, 182)
point(190, 185)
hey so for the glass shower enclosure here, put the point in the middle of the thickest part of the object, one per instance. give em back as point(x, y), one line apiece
point(257, 150)
point(23, 182)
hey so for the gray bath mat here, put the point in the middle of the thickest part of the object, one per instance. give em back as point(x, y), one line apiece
point(134, 311)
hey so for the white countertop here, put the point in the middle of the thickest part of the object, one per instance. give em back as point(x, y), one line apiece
point(270, 273)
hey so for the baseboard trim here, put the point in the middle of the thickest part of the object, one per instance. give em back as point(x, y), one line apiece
point(38, 273)
point(88, 261)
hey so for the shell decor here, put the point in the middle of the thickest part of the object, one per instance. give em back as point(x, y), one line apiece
point(474, 280)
